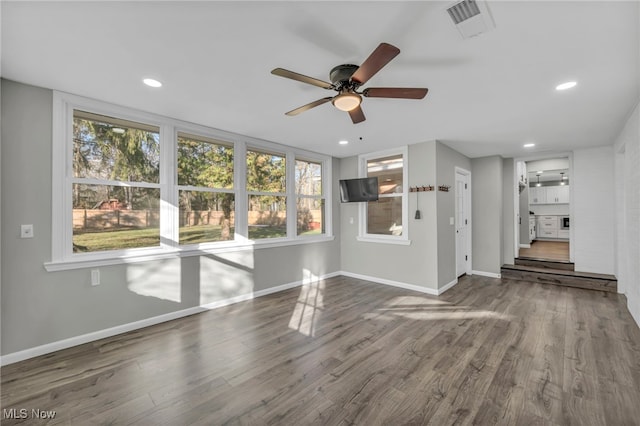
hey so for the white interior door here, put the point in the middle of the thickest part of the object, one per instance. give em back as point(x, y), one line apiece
point(462, 223)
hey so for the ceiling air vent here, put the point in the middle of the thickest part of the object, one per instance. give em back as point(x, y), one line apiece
point(471, 17)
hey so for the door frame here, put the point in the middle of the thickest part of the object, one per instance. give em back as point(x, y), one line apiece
point(467, 206)
point(516, 195)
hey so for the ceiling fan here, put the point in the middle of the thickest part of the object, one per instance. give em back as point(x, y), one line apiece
point(346, 79)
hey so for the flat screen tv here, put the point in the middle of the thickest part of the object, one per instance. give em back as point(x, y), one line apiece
point(356, 190)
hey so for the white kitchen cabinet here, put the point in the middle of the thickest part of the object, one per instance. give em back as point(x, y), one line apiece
point(563, 194)
point(549, 194)
point(537, 195)
point(547, 226)
point(563, 233)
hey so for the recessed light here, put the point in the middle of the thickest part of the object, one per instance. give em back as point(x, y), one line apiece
point(529, 145)
point(567, 85)
point(151, 82)
point(540, 172)
point(343, 142)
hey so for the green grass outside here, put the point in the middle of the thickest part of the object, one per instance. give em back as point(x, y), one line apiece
point(150, 237)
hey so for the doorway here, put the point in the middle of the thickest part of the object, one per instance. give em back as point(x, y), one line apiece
point(463, 221)
point(543, 209)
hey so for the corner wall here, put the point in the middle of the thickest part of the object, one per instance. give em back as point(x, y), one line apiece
point(593, 225)
point(627, 165)
point(415, 264)
point(447, 160)
point(487, 201)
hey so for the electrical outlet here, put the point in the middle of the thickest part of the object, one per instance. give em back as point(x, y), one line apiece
point(95, 277)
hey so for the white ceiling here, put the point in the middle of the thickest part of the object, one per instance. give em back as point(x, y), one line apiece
point(487, 95)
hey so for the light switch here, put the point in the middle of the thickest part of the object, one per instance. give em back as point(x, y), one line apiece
point(451, 221)
point(351, 220)
point(26, 231)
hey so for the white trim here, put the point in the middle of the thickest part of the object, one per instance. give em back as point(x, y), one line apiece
point(406, 286)
point(447, 286)
point(468, 201)
point(394, 240)
point(362, 208)
point(486, 274)
point(525, 246)
point(136, 325)
point(186, 251)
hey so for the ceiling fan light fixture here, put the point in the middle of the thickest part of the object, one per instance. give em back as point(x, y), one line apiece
point(347, 101)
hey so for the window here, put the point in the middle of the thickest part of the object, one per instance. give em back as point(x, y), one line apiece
point(129, 185)
point(206, 198)
point(116, 183)
point(267, 198)
point(309, 198)
point(385, 219)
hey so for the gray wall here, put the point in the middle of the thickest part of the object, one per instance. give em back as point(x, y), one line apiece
point(487, 210)
point(40, 307)
point(414, 264)
point(447, 160)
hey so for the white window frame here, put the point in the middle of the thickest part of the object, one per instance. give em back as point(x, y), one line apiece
point(62, 256)
point(362, 211)
point(322, 197)
point(197, 131)
point(286, 194)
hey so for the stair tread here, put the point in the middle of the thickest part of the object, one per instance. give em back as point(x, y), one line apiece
point(539, 259)
point(560, 272)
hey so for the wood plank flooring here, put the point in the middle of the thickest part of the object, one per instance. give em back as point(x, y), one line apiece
point(346, 351)
point(547, 250)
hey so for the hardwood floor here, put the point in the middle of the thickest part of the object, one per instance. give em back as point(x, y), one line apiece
point(547, 250)
point(345, 351)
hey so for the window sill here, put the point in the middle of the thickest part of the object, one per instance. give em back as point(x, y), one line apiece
point(160, 254)
point(395, 241)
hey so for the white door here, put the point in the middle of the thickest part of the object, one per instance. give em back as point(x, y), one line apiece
point(462, 206)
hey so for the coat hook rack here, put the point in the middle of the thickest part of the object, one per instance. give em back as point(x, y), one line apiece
point(421, 188)
point(444, 188)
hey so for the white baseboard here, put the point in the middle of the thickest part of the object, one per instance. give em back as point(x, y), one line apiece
point(525, 245)
point(124, 328)
point(447, 286)
point(406, 286)
point(486, 274)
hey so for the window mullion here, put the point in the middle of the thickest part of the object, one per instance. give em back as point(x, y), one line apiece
point(169, 233)
point(290, 200)
point(241, 195)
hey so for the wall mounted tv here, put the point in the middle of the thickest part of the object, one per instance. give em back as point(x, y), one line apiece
point(356, 190)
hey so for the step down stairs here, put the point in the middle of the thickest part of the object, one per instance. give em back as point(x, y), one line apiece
point(558, 273)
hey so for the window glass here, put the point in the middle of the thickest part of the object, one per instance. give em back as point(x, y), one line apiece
point(385, 216)
point(309, 201)
point(108, 215)
point(107, 148)
point(267, 217)
point(266, 172)
point(115, 217)
point(207, 215)
point(204, 162)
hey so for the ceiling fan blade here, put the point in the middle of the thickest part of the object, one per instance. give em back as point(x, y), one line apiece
point(395, 92)
point(308, 106)
point(356, 114)
point(374, 63)
point(281, 72)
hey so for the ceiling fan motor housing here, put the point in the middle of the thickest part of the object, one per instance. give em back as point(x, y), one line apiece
point(341, 74)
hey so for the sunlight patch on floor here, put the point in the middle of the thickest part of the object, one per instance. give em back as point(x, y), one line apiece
point(309, 306)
